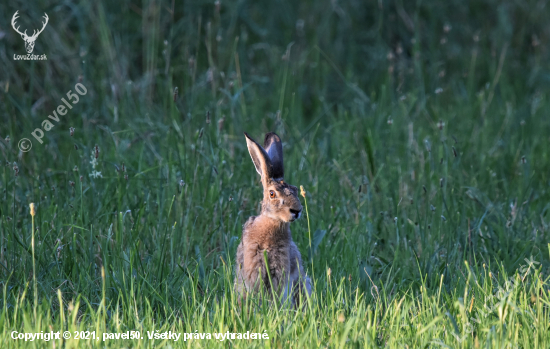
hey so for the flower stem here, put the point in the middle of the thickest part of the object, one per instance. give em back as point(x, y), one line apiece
point(34, 264)
point(303, 192)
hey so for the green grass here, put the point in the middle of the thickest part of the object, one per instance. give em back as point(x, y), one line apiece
point(420, 132)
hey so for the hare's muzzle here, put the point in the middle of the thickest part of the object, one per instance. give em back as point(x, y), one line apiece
point(295, 214)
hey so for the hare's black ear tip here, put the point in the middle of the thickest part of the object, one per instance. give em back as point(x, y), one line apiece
point(272, 135)
point(246, 135)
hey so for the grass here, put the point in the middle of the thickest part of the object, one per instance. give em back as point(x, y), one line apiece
point(418, 130)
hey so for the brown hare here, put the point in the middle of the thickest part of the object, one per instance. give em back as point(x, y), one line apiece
point(269, 232)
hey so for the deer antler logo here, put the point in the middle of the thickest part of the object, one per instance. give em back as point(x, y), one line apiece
point(29, 40)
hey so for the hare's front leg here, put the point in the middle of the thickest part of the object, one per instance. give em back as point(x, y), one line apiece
point(252, 266)
point(250, 269)
point(256, 272)
point(279, 269)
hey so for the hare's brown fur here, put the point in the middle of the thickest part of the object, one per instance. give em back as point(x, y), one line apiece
point(268, 236)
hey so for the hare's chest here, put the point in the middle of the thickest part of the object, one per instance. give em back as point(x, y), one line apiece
point(278, 258)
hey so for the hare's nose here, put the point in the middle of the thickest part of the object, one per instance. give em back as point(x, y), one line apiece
point(295, 212)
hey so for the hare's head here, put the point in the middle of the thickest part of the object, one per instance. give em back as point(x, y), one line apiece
point(280, 198)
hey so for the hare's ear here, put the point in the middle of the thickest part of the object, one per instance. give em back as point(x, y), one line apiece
point(259, 158)
point(274, 148)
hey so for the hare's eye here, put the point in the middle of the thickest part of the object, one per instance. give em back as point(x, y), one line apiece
point(272, 194)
